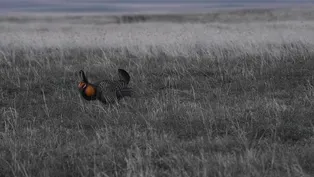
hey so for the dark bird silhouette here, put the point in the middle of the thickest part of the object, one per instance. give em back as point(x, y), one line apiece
point(106, 91)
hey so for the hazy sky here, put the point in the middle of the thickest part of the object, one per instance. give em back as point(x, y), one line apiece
point(136, 5)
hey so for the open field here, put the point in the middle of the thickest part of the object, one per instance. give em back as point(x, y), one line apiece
point(213, 98)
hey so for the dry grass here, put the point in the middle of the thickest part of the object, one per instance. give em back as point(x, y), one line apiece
point(213, 99)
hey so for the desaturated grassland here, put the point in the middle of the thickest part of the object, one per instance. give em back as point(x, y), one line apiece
point(211, 99)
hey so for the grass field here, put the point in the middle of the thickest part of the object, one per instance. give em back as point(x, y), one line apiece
point(222, 98)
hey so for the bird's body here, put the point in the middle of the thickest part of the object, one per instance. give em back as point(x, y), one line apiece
point(106, 91)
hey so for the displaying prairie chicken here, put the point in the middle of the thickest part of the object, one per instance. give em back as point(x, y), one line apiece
point(106, 91)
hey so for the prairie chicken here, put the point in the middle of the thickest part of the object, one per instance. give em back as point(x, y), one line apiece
point(106, 91)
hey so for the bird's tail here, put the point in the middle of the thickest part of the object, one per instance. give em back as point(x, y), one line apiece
point(124, 76)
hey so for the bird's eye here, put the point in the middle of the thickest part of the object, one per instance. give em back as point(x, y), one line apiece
point(82, 85)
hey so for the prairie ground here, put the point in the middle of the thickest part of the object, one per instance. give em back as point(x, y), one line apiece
point(212, 97)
